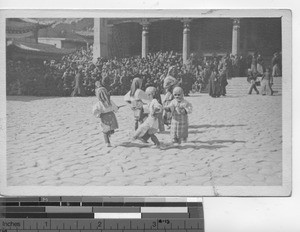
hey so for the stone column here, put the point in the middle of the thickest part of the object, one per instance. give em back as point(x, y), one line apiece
point(186, 40)
point(145, 38)
point(100, 47)
point(236, 37)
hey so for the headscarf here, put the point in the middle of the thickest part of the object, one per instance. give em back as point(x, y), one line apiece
point(151, 90)
point(103, 96)
point(170, 70)
point(136, 84)
point(169, 81)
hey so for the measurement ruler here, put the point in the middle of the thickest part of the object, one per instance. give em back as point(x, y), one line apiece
point(99, 214)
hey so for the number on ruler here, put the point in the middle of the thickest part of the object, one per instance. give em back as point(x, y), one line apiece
point(99, 226)
point(154, 224)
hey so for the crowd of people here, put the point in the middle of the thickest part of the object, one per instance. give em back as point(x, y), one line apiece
point(75, 74)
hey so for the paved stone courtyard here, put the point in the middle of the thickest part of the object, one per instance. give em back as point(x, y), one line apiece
point(233, 141)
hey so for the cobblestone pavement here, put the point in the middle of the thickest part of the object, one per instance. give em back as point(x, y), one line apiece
point(233, 140)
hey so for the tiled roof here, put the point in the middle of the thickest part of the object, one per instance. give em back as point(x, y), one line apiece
point(40, 48)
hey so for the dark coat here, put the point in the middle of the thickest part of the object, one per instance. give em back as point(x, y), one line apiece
point(214, 85)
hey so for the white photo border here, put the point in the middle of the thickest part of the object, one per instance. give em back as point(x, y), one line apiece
point(189, 191)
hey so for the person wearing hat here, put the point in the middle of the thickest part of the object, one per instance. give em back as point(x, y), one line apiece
point(169, 84)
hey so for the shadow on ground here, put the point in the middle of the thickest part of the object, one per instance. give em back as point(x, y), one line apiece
point(195, 147)
point(218, 141)
point(30, 98)
point(214, 126)
point(133, 144)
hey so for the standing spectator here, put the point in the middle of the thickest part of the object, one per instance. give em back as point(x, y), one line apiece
point(214, 84)
point(267, 82)
point(251, 78)
point(223, 83)
point(260, 65)
point(254, 63)
point(78, 89)
point(243, 67)
point(276, 69)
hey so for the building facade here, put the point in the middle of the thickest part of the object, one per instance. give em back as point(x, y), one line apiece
point(203, 36)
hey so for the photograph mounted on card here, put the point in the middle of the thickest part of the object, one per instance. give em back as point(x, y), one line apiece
point(146, 102)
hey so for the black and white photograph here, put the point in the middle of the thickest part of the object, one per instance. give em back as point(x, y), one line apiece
point(147, 102)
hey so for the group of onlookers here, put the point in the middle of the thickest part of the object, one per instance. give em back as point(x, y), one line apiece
point(259, 75)
point(75, 74)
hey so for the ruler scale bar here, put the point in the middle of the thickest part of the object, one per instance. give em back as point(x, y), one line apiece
point(100, 224)
point(105, 214)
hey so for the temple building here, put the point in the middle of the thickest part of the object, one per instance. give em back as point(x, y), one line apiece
point(22, 40)
point(122, 37)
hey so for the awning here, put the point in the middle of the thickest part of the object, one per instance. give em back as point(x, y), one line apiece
point(18, 28)
point(26, 50)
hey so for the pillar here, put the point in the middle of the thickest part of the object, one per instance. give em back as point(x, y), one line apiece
point(100, 47)
point(145, 38)
point(186, 40)
point(236, 37)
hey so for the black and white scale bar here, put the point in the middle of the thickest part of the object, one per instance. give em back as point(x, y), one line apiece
point(102, 209)
point(47, 215)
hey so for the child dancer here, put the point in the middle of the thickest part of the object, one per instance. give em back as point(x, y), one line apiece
point(169, 84)
point(105, 110)
point(135, 97)
point(180, 108)
point(150, 126)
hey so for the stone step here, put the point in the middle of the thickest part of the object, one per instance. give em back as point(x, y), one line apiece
point(240, 86)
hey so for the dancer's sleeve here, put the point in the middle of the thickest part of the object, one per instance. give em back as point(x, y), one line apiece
point(127, 97)
point(140, 94)
point(114, 106)
point(96, 110)
point(158, 107)
point(188, 107)
point(170, 106)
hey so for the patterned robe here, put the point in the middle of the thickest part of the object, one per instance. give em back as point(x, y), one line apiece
point(179, 123)
point(107, 115)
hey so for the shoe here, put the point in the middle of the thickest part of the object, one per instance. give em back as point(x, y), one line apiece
point(184, 140)
point(174, 140)
point(142, 140)
point(155, 146)
point(108, 145)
